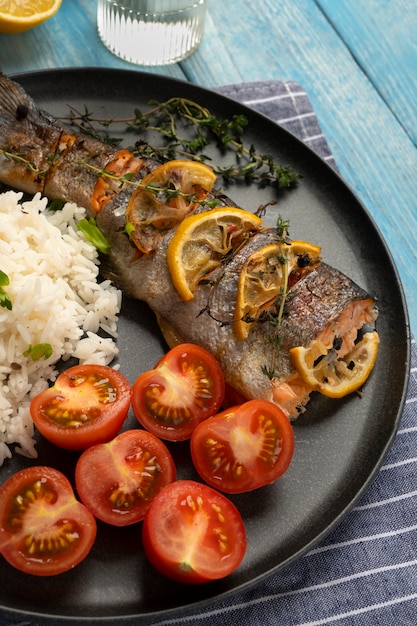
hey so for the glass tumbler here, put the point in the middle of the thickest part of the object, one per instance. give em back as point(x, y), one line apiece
point(151, 32)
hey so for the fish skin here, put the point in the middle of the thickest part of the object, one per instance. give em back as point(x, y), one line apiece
point(317, 301)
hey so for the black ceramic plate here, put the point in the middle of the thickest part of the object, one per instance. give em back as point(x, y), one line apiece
point(339, 444)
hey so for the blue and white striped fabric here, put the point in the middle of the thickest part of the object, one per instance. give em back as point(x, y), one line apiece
point(365, 572)
point(287, 104)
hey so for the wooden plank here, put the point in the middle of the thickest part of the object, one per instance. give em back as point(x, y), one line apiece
point(382, 36)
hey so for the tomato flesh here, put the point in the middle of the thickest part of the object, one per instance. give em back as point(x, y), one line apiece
point(193, 534)
point(244, 447)
point(44, 530)
point(118, 480)
point(87, 405)
point(185, 387)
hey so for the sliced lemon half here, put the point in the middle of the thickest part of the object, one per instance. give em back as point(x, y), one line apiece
point(166, 196)
point(264, 276)
point(17, 16)
point(201, 242)
point(335, 377)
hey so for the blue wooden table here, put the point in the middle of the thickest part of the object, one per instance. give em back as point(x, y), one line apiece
point(357, 61)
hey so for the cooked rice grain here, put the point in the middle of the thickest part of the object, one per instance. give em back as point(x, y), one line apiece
point(57, 299)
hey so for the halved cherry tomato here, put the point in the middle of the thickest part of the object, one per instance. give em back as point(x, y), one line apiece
point(193, 534)
point(87, 405)
point(44, 530)
point(185, 387)
point(118, 480)
point(244, 447)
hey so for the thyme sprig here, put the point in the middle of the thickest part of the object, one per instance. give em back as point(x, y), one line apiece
point(276, 319)
point(86, 124)
point(169, 193)
point(20, 158)
point(169, 119)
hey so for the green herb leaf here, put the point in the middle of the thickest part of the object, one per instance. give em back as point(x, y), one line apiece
point(56, 205)
point(4, 279)
point(282, 227)
point(38, 351)
point(94, 234)
point(128, 229)
point(4, 298)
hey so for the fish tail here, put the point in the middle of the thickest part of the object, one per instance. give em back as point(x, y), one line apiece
point(11, 97)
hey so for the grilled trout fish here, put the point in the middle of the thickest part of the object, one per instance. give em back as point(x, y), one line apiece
point(306, 334)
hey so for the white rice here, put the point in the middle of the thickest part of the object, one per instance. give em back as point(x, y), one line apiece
point(56, 299)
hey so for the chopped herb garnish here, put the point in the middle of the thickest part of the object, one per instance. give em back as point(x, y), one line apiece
point(38, 351)
point(94, 234)
point(4, 298)
point(56, 205)
point(129, 228)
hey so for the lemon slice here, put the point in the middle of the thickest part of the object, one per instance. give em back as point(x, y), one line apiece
point(265, 274)
point(166, 195)
point(17, 16)
point(201, 242)
point(335, 377)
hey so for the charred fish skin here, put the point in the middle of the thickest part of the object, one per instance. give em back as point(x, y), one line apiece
point(317, 303)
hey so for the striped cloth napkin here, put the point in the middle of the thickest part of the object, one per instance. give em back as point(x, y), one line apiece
point(365, 572)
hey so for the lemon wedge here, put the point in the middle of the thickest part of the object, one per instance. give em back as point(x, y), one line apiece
point(265, 274)
point(166, 195)
point(201, 242)
point(17, 16)
point(335, 377)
